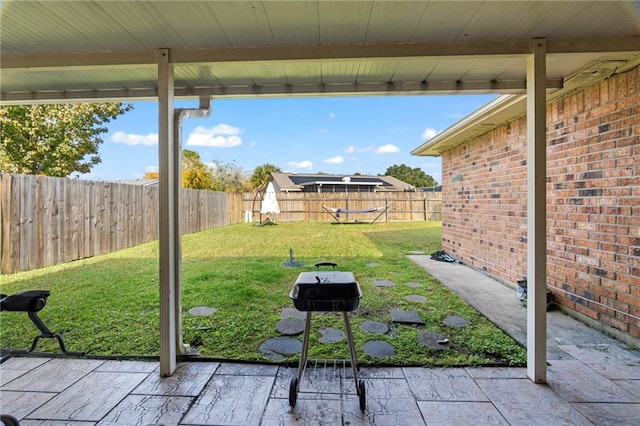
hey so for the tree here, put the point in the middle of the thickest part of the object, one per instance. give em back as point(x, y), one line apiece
point(195, 174)
point(54, 140)
point(262, 175)
point(413, 176)
point(229, 177)
point(260, 179)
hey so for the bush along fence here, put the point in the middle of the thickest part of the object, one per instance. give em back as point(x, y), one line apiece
point(47, 220)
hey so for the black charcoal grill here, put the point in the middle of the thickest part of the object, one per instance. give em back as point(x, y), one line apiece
point(327, 291)
point(32, 302)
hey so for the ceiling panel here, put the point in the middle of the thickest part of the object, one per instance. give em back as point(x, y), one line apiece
point(50, 44)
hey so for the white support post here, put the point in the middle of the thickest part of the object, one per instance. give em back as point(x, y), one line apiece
point(169, 238)
point(536, 214)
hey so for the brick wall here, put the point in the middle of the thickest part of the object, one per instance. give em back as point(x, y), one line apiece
point(593, 194)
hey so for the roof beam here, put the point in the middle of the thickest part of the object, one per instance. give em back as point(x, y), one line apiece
point(297, 53)
point(413, 88)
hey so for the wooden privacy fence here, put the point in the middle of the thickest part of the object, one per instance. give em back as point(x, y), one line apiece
point(46, 220)
point(307, 206)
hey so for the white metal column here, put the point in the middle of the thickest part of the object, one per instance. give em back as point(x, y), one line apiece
point(536, 214)
point(169, 238)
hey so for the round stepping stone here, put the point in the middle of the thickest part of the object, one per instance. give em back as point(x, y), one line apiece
point(433, 340)
point(279, 348)
point(331, 335)
point(372, 264)
point(413, 284)
point(293, 313)
point(290, 326)
point(407, 317)
point(378, 349)
point(202, 311)
point(383, 283)
point(456, 321)
point(374, 327)
point(415, 298)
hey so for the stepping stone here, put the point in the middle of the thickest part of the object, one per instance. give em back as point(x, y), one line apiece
point(407, 317)
point(279, 348)
point(290, 326)
point(416, 252)
point(416, 298)
point(293, 313)
point(433, 340)
point(374, 327)
point(395, 273)
point(456, 321)
point(331, 335)
point(383, 283)
point(202, 311)
point(372, 264)
point(378, 349)
point(413, 284)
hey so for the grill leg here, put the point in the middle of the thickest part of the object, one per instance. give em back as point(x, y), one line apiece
point(46, 333)
point(352, 350)
point(305, 346)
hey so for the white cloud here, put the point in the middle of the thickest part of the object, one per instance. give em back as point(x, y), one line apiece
point(225, 129)
point(151, 169)
point(387, 149)
point(332, 116)
point(133, 139)
point(220, 136)
point(300, 164)
point(351, 149)
point(429, 133)
point(335, 160)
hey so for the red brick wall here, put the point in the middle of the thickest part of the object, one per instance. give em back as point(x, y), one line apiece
point(593, 194)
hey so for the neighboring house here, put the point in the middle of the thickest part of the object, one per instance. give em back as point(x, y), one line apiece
point(593, 196)
point(301, 182)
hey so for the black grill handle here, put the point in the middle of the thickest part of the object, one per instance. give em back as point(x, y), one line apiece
point(333, 265)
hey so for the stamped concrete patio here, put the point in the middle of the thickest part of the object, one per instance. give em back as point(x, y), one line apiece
point(592, 380)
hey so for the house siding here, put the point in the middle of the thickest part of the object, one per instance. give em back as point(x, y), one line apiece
point(593, 202)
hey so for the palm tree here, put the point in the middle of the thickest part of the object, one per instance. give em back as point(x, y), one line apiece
point(260, 179)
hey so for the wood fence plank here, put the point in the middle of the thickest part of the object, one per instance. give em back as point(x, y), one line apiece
point(45, 220)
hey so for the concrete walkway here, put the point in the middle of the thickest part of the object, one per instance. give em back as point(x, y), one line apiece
point(592, 380)
point(500, 305)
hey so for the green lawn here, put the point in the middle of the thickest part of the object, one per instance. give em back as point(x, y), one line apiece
point(108, 305)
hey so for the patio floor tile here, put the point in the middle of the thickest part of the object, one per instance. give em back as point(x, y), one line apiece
point(188, 380)
point(611, 413)
point(523, 402)
point(306, 412)
point(384, 410)
point(576, 382)
point(460, 413)
point(21, 404)
point(148, 409)
point(53, 376)
point(91, 398)
point(452, 384)
point(231, 400)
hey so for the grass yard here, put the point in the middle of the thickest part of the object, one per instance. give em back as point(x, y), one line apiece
point(108, 305)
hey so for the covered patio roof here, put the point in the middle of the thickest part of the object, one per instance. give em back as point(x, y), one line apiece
point(61, 51)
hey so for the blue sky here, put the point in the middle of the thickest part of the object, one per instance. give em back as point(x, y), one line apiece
point(305, 135)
